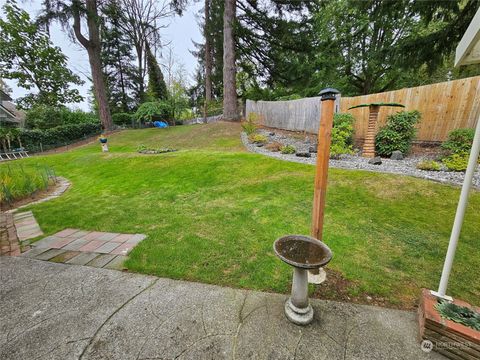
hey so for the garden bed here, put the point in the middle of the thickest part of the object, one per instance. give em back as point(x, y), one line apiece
point(452, 339)
point(303, 142)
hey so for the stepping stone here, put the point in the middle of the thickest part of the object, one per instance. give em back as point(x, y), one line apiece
point(136, 239)
point(26, 226)
point(123, 249)
point(82, 258)
point(78, 234)
point(107, 247)
point(67, 255)
point(101, 260)
point(94, 235)
point(60, 243)
point(76, 244)
point(116, 263)
point(108, 236)
point(91, 246)
point(34, 252)
point(66, 232)
point(46, 242)
point(122, 238)
point(51, 253)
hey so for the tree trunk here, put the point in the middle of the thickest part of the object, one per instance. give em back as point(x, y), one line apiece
point(93, 47)
point(99, 88)
point(208, 60)
point(229, 72)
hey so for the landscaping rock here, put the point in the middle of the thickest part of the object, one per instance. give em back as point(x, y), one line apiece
point(377, 160)
point(407, 166)
point(303, 154)
point(156, 151)
point(312, 149)
point(259, 144)
point(271, 134)
point(396, 155)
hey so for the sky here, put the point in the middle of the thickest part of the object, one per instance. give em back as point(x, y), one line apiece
point(180, 33)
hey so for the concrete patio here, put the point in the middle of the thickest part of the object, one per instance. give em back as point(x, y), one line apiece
point(58, 311)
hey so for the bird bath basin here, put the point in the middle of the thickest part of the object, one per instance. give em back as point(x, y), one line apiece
point(303, 253)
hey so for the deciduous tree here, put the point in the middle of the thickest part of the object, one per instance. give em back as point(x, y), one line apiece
point(28, 56)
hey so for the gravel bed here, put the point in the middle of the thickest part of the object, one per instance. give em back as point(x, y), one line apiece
point(406, 166)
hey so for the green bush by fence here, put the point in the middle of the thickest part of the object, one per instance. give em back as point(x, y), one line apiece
point(397, 134)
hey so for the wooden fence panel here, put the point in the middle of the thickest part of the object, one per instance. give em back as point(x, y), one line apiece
point(444, 106)
point(297, 115)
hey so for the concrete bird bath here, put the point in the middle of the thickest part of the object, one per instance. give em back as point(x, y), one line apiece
point(303, 253)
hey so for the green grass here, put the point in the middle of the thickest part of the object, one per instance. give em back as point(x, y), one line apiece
point(212, 211)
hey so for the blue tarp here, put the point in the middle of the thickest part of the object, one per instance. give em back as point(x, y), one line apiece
point(160, 124)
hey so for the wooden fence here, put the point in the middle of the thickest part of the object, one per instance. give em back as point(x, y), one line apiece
point(444, 107)
point(297, 115)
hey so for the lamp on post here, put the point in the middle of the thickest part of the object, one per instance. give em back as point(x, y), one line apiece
point(328, 96)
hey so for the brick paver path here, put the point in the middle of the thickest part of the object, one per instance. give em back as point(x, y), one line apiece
point(91, 248)
point(26, 225)
point(9, 243)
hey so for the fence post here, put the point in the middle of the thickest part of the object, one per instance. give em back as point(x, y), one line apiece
point(323, 156)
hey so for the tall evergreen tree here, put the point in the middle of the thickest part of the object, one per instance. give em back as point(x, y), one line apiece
point(117, 57)
point(157, 88)
point(73, 16)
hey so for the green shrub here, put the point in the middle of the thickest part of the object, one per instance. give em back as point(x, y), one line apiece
point(342, 135)
point(257, 138)
point(46, 117)
point(153, 111)
point(456, 162)
point(398, 133)
point(124, 119)
point(459, 141)
point(429, 165)
point(16, 182)
point(287, 149)
point(250, 125)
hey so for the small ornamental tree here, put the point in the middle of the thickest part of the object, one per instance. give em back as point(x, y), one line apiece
point(154, 110)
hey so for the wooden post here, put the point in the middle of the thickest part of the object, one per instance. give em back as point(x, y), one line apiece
point(369, 144)
point(323, 155)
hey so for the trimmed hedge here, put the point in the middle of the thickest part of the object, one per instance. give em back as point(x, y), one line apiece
point(57, 136)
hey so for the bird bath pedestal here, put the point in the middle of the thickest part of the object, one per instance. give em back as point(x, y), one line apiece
point(303, 253)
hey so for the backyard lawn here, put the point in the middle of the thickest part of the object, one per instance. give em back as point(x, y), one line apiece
point(212, 211)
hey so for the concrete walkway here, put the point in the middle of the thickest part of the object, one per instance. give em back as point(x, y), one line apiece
point(57, 311)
